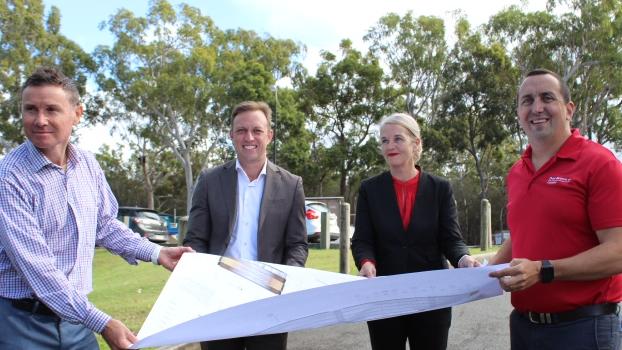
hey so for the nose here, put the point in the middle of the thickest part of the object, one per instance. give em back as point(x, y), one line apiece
point(538, 105)
point(41, 119)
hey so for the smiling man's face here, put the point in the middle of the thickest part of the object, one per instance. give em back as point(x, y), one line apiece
point(251, 136)
point(542, 112)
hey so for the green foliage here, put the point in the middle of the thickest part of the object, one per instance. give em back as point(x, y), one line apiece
point(123, 178)
point(415, 50)
point(344, 101)
point(174, 77)
point(477, 102)
point(583, 45)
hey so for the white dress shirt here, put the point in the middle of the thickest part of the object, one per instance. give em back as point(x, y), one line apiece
point(243, 243)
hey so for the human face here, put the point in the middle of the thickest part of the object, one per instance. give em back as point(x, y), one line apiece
point(398, 146)
point(542, 113)
point(251, 136)
point(48, 117)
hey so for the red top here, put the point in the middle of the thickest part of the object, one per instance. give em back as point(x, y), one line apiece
point(554, 213)
point(406, 193)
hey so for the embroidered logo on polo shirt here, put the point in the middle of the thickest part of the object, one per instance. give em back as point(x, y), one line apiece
point(553, 180)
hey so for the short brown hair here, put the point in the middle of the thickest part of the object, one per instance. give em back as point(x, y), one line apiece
point(44, 76)
point(247, 106)
point(562, 84)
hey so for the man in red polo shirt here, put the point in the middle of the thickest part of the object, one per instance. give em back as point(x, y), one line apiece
point(565, 219)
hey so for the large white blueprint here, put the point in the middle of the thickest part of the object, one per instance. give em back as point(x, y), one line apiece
point(203, 301)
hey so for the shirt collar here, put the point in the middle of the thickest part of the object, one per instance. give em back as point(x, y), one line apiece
point(570, 149)
point(37, 160)
point(239, 168)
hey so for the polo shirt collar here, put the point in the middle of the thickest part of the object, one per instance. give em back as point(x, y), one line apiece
point(570, 149)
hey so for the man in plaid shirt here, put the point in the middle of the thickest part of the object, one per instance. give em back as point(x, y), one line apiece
point(55, 206)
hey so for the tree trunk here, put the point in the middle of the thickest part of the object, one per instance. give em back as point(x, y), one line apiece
point(187, 162)
point(148, 185)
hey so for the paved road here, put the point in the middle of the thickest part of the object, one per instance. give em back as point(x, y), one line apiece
point(480, 325)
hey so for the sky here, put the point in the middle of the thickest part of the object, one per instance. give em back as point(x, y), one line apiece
point(318, 24)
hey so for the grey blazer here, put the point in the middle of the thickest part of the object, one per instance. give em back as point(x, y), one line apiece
point(282, 236)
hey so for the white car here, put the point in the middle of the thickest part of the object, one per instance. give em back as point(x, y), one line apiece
point(313, 210)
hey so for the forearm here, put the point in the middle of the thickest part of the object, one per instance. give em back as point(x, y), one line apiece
point(504, 254)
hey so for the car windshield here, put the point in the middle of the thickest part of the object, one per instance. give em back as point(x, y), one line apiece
point(148, 215)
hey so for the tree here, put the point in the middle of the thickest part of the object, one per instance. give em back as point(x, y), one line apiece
point(345, 99)
point(584, 45)
point(30, 39)
point(478, 100)
point(175, 77)
point(123, 177)
point(415, 50)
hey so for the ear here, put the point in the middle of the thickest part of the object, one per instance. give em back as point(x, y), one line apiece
point(570, 108)
point(78, 112)
point(270, 135)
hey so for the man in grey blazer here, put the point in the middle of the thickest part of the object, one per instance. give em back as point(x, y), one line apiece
point(249, 209)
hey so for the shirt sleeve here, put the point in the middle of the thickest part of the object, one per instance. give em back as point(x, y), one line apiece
point(605, 195)
point(363, 242)
point(24, 243)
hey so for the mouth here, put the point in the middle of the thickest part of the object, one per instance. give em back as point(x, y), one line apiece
point(249, 147)
point(392, 154)
point(539, 120)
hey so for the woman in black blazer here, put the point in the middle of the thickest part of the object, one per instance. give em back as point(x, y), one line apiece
point(406, 221)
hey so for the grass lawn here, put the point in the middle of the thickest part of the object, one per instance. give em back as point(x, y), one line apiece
point(128, 292)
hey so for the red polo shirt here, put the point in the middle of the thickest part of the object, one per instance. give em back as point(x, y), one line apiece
point(554, 213)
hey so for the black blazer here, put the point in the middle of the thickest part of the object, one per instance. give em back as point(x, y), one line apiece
point(282, 233)
point(432, 237)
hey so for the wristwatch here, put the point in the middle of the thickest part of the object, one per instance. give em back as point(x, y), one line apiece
point(547, 273)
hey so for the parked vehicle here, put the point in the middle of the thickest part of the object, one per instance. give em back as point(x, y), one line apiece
point(146, 222)
point(171, 223)
point(313, 211)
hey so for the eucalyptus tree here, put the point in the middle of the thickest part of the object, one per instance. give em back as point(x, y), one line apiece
point(415, 50)
point(581, 40)
point(345, 99)
point(176, 75)
point(478, 100)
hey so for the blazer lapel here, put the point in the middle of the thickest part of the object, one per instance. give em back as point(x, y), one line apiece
point(229, 183)
point(270, 191)
point(390, 199)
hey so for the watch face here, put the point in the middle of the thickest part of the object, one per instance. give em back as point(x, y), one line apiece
point(547, 273)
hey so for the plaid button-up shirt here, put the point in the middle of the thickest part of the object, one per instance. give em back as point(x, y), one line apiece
point(50, 221)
